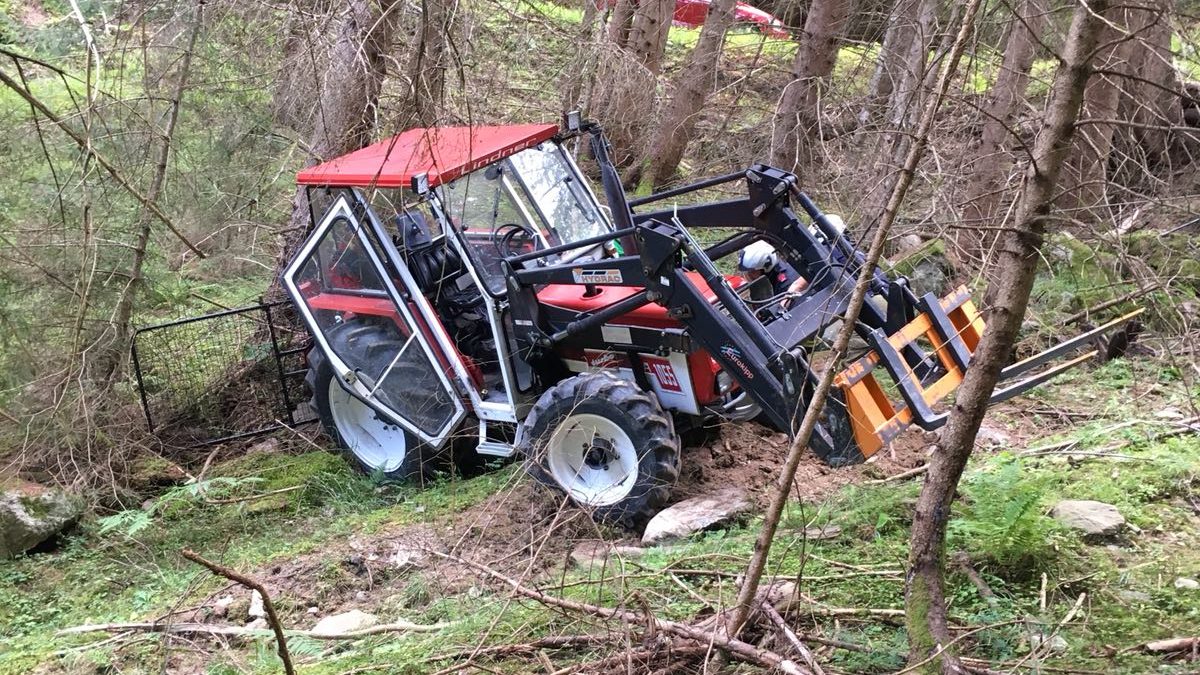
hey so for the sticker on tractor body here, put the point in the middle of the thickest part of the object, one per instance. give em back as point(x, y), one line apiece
point(598, 277)
point(668, 376)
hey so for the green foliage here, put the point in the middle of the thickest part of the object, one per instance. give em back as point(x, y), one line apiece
point(132, 521)
point(1003, 519)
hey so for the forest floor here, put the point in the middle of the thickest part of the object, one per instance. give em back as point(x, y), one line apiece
point(338, 540)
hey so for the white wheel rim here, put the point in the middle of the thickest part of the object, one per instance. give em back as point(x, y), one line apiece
point(377, 444)
point(592, 459)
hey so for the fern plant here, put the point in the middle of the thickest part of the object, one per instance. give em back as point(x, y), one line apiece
point(1003, 520)
point(132, 521)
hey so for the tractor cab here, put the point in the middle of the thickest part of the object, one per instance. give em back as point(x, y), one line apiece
point(403, 285)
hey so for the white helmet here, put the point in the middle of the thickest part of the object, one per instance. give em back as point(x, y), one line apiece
point(759, 256)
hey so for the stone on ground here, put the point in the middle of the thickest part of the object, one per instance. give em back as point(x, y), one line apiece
point(31, 513)
point(1186, 584)
point(1093, 519)
point(346, 622)
point(596, 553)
point(698, 513)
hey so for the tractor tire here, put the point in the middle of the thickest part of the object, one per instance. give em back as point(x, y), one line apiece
point(839, 448)
point(371, 443)
point(606, 443)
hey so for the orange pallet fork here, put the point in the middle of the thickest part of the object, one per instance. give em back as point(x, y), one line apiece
point(952, 327)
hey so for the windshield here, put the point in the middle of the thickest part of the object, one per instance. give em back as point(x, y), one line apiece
point(531, 200)
point(565, 204)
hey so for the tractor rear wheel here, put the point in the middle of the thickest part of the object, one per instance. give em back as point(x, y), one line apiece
point(605, 443)
point(370, 441)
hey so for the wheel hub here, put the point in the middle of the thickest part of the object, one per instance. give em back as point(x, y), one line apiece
point(599, 453)
point(593, 459)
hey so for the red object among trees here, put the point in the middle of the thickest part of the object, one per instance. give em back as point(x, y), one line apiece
point(691, 13)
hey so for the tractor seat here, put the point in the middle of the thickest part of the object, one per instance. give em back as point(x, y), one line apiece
point(571, 298)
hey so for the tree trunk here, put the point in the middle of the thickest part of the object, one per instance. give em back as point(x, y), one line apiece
point(1129, 108)
point(692, 87)
point(583, 65)
point(796, 137)
point(989, 166)
point(347, 107)
point(779, 496)
point(905, 41)
point(648, 36)
point(1150, 98)
point(1006, 300)
point(113, 362)
point(430, 60)
point(905, 66)
point(618, 22)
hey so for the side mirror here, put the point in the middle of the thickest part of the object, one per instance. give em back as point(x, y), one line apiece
point(420, 184)
point(574, 121)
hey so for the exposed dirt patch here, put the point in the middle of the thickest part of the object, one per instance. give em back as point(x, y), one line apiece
point(750, 455)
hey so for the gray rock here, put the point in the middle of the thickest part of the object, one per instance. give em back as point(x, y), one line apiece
point(407, 558)
point(929, 275)
point(31, 513)
point(698, 513)
point(596, 553)
point(1093, 519)
point(1133, 596)
point(1186, 584)
point(908, 242)
point(1061, 248)
point(992, 436)
point(346, 622)
point(1055, 645)
point(258, 608)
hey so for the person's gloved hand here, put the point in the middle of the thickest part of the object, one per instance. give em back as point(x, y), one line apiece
point(794, 289)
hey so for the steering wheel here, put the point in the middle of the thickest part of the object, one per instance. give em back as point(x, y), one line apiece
point(510, 238)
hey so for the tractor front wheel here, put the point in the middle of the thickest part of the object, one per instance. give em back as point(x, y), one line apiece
point(605, 443)
point(372, 442)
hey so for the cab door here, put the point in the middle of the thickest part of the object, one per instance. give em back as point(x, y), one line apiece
point(366, 314)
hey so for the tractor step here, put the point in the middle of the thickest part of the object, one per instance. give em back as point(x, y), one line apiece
point(951, 327)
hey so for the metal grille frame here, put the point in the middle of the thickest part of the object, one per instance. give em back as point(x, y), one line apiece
point(223, 376)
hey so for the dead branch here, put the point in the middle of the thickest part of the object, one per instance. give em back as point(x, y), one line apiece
point(964, 563)
point(791, 636)
point(250, 498)
point(91, 151)
point(1171, 645)
point(738, 649)
point(553, 642)
point(234, 631)
point(272, 617)
point(1132, 295)
point(900, 476)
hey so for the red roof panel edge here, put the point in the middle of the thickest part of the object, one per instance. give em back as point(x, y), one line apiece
point(444, 153)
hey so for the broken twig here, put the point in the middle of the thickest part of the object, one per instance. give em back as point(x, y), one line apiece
point(272, 617)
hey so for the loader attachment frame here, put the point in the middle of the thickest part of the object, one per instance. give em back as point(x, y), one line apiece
point(924, 344)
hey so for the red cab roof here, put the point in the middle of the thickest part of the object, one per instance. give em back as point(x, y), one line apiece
point(444, 153)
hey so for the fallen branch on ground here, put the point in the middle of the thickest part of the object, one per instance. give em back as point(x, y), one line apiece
point(272, 617)
point(791, 636)
point(1080, 316)
point(1171, 645)
point(900, 476)
point(250, 498)
point(555, 642)
point(243, 631)
point(738, 649)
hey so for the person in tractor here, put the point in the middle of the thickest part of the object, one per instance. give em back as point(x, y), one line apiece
point(759, 260)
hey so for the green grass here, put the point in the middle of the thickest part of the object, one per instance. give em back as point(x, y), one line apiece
point(1000, 521)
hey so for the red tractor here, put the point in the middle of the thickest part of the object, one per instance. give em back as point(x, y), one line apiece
point(468, 278)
